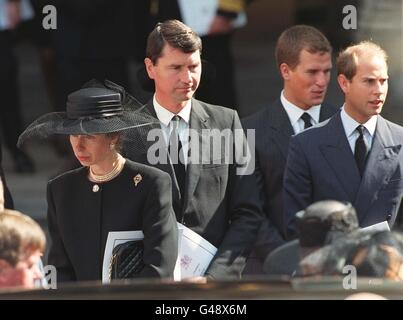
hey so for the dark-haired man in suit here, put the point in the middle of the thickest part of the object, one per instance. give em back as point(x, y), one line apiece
point(214, 197)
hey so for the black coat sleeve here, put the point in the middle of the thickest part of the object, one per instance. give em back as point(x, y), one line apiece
point(57, 253)
point(160, 230)
point(244, 212)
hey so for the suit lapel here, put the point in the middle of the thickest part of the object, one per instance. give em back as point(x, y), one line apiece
point(166, 165)
point(326, 112)
point(382, 162)
point(281, 127)
point(338, 154)
point(198, 122)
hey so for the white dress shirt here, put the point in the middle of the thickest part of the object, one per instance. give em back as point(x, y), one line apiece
point(165, 116)
point(294, 114)
point(350, 126)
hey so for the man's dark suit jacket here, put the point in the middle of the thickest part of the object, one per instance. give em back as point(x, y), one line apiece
point(80, 219)
point(218, 204)
point(321, 166)
point(273, 132)
point(8, 200)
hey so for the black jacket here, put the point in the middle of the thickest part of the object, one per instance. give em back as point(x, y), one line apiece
point(80, 219)
point(218, 204)
point(273, 133)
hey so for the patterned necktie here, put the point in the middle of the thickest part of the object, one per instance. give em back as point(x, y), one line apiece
point(307, 120)
point(361, 150)
point(175, 150)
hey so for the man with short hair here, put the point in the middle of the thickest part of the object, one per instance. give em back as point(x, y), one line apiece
point(356, 155)
point(211, 196)
point(303, 57)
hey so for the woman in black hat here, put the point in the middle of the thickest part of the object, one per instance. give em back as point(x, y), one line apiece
point(109, 193)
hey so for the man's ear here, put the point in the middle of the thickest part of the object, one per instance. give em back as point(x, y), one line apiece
point(149, 67)
point(344, 83)
point(285, 71)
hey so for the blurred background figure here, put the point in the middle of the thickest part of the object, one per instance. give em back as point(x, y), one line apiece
point(93, 39)
point(373, 254)
point(22, 243)
point(12, 13)
point(321, 223)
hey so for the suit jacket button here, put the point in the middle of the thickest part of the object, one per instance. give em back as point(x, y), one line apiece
point(388, 217)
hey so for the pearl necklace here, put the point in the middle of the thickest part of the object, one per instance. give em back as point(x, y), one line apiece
point(110, 175)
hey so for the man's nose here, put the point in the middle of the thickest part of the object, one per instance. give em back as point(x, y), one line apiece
point(380, 87)
point(322, 79)
point(186, 76)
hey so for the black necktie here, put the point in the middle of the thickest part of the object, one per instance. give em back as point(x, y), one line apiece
point(175, 149)
point(361, 150)
point(307, 120)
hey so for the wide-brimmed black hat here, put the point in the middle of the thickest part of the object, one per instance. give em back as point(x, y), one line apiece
point(94, 109)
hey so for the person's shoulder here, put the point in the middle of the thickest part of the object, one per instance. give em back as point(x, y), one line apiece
point(219, 117)
point(314, 133)
point(254, 120)
point(146, 170)
point(67, 176)
point(267, 116)
point(395, 128)
point(330, 107)
point(215, 110)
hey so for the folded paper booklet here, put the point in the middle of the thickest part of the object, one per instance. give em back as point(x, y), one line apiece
point(194, 252)
point(381, 226)
point(115, 238)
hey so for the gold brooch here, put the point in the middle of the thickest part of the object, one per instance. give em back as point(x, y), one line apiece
point(137, 179)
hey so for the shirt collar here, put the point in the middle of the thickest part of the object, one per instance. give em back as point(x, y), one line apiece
point(165, 116)
point(350, 125)
point(294, 112)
